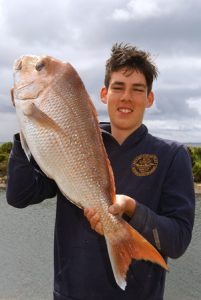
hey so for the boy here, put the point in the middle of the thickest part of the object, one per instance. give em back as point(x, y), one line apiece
point(153, 181)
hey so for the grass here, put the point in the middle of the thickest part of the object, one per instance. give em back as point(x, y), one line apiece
point(195, 153)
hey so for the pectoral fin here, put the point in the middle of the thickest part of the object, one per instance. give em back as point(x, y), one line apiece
point(38, 116)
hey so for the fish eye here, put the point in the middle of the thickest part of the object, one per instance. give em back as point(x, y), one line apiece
point(40, 66)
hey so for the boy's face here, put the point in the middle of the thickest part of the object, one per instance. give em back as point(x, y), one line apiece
point(126, 99)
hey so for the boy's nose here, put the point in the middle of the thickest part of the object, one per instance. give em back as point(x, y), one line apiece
point(126, 96)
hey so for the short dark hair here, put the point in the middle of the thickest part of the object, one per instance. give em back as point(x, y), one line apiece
point(130, 57)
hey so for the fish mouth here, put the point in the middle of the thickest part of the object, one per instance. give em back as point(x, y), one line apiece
point(18, 65)
point(21, 87)
point(27, 91)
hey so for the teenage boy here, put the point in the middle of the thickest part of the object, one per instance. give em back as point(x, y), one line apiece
point(154, 184)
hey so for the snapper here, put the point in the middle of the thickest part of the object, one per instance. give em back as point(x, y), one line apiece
point(59, 127)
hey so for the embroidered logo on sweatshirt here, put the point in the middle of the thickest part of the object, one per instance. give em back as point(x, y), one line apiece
point(144, 164)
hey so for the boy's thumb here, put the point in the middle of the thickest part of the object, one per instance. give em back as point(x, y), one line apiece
point(114, 209)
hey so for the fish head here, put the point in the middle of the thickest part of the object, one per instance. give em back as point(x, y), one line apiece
point(33, 74)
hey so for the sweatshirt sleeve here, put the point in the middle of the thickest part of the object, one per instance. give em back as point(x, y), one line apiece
point(26, 183)
point(170, 229)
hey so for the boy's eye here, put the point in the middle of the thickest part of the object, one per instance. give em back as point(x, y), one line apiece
point(138, 90)
point(117, 88)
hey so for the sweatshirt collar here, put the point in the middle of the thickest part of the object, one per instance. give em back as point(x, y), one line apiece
point(133, 138)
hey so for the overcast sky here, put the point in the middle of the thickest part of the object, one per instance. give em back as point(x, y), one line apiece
point(83, 31)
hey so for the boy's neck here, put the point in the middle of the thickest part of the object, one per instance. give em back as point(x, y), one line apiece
point(121, 135)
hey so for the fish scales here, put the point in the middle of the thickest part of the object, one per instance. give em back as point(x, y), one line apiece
point(59, 127)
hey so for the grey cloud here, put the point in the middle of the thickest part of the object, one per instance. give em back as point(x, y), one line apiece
point(168, 33)
point(34, 21)
point(7, 108)
point(174, 104)
point(47, 22)
point(92, 25)
point(8, 126)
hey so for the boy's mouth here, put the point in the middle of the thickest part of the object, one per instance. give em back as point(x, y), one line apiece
point(125, 110)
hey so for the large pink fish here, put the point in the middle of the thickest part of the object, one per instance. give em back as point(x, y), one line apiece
point(59, 127)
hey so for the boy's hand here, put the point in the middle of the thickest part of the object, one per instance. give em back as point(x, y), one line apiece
point(94, 219)
point(123, 205)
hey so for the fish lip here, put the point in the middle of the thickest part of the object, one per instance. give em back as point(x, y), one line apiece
point(23, 86)
point(18, 90)
point(18, 65)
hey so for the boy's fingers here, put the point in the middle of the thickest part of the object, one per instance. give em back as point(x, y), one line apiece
point(94, 219)
point(89, 212)
point(99, 228)
point(115, 209)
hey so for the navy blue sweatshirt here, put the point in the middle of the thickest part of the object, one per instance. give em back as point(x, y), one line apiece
point(157, 174)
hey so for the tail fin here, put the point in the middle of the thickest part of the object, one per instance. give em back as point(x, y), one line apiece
point(127, 244)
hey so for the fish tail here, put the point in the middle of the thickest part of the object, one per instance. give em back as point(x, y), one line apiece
point(127, 244)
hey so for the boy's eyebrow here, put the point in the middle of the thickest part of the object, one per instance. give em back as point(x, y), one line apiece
point(117, 82)
point(139, 85)
point(134, 84)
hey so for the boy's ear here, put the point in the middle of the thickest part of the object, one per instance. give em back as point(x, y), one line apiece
point(150, 99)
point(103, 95)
